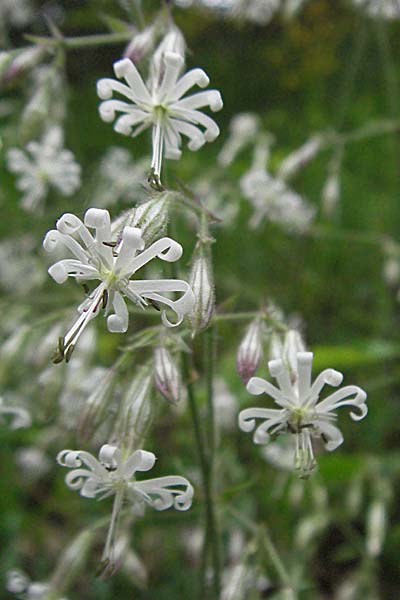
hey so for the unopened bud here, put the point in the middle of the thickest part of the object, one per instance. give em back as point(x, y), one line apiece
point(46, 103)
point(137, 411)
point(173, 42)
point(330, 194)
point(376, 528)
point(298, 159)
point(22, 62)
point(140, 45)
point(72, 561)
point(201, 281)
point(293, 343)
point(152, 217)
point(95, 409)
point(250, 350)
point(166, 375)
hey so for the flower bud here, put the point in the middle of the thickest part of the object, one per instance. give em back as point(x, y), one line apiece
point(173, 42)
point(95, 409)
point(330, 194)
point(46, 103)
point(293, 343)
point(250, 350)
point(140, 45)
point(137, 411)
point(166, 375)
point(72, 561)
point(298, 159)
point(201, 281)
point(23, 61)
point(376, 527)
point(152, 217)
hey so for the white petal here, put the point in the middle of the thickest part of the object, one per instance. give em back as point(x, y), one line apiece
point(118, 322)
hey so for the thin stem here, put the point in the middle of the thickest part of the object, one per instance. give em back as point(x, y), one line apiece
point(108, 553)
point(84, 41)
point(351, 72)
point(205, 472)
point(265, 539)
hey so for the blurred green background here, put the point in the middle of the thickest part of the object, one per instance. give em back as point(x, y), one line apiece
point(330, 67)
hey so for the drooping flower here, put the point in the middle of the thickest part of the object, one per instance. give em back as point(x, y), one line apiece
point(162, 106)
point(112, 263)
point(301, 412)
point(43, 165)
point(114, 474)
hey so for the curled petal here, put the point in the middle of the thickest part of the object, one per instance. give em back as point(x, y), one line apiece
point(327, 377)
point(69, 458)
point(78, 479)
point(70, 224)
point(152, 290)
point(187, 81)
point(127, 69)
point(63, 269)
point(166, 495)
point(110, 455)
point(335, 400)
point(271, 416)
point(55, 238)
point(140, 460)
point(258, 385)
point(165, 248)
point(333, 436)
point(118, 322)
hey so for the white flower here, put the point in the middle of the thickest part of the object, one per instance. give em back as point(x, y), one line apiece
point(272, 199)
point(19, 583)
point(16, 12)
point(104, 477)
point(161, 106)
point(113, 264)
point(384, 9)
point(43, 165)
point(119, 177)
point(301, 411)
point(19, 416)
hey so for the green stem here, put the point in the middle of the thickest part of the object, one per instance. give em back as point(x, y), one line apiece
point(211, 533)
point(263, 535)
point(84, 41)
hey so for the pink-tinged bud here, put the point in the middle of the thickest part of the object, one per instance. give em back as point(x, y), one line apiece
point(166, 375)
point(201, 281)
point(250, 350)
point(141, 44)
point(24, 60)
